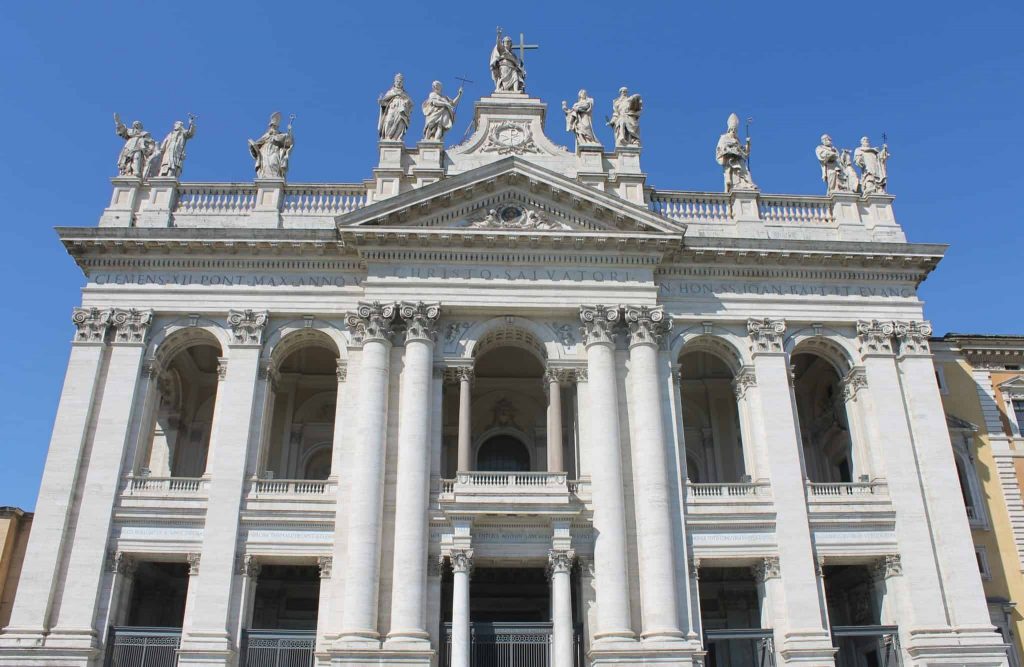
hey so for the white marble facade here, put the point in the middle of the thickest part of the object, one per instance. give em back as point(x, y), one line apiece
point(500, 355)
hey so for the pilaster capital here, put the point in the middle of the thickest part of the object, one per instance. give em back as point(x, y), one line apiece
point(341, 370)
point(193, 563)
point(222, 367)
point(647, 325)
point(580, 375)
point(765, 335)
point(875, 336)
point(268, 371)
point(887, 566)
point(131, 326)
point(247, 566)
point(119, 562)
point(325, 564)
point(557, 375)
point(695, 568)
point(853, 382)
point(913, 337)
point(744, 380)
point(560, 560)
point(247, 326)
point(372, 321)
point(599, 324)
point(766, 568)
point(462, 560)
point(90, 325)
point(420, 320)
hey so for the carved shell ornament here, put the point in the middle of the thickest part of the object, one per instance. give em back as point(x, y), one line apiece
point(515, 217)
point(510, 138)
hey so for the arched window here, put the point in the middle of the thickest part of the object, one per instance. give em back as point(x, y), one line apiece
point(824, 424)
point(503, 453)
point(711, 426)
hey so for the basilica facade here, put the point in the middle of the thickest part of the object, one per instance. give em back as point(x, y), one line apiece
point(504, 403)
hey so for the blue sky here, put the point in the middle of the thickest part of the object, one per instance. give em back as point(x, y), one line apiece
point(943, 80)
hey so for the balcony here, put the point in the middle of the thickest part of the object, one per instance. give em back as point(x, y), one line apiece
point(311, 499)
point(509, 492)
point(143, 647)
point(165, 486)
point(714, 508)
point(278, 648)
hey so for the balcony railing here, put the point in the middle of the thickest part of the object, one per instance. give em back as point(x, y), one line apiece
point(292, 487)
point(143, 647)
point(697, 490)
point(146, 485)
point(507, 479)
point(508, 644)
point(844, 489)
point(726, 648)
point(278, 648)
point(867, 644)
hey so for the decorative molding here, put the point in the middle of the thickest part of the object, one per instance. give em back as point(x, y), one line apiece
point(766, 568)
point(559, 375)
point(875, 336)
point(598, 324)
point(744, 380)
point(420, 320)
point(854, 381)
point(887, 566)
point(462, 560)
point(560, 561)
point(913, 337)
point(453, 332)
point(90, 325)
point(580, 375)
point(247, 326)
point(372, 321)
point(247, 566)
point(130, 325)
point(510, 137)
point(119, 562)
point(193, 563)
point(222, 367)
point(647, 325)
point(765, 334)
point(341, 370)
point(326, 564)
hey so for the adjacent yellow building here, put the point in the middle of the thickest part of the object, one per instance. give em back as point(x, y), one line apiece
point(982, 385)
point(14, 529)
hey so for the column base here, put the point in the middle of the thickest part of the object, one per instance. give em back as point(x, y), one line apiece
point(962, 646)
point(812, 648)
point(48, 657)
point(365, 658)
point(205, 649)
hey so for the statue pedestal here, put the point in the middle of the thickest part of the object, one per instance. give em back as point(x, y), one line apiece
point(590, 169)
point(846, 210)
point(389, 172)
point(157, 207)
point(123, 202)
point(745, 208)
point(626, 175)
point(269, 197)
point(430, 163)
point(878, 216)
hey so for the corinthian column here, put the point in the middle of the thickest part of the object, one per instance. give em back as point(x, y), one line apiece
point(553, 381)
point(408, 590)
point(658, 590)
point(371, 326)
point(560, 567)
point(462, 566)
point(465, 375)
point(613, 618)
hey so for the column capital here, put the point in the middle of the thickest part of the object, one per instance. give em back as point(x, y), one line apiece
point(462, 560)
point(647, 325)
point(372, 321)
point(853, 382)
point(766, 568)
point(130, 325)
point(913, 337)
point(325, 565)
point(766, 335)
point(875, 336)
point(90, 325)
point(341, 369)
point(456, 374)
point(193, 563)
point(744, 380)
point(556, 374)
point(560, 560)
point(247, 566)
point(119, 562)
point(247, 326)
point(887, 566)
point(420, 320)
point(599, 324)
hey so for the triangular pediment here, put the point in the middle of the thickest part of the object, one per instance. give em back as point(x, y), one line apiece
point(511, 195)
point(1013, 388)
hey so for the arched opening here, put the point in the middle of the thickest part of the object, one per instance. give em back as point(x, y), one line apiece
point(186, 386)
point(711, 423)
point(824, 423)
point(299, 443)
point(503, 453)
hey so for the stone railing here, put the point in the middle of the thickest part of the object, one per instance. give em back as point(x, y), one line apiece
point(510, 479)
point(692, 206)
point(146, 485)
point(292, 487)
point(697, 490)
point(215, 199)
point(796, 210)
point(844, 489)
point(322, 199)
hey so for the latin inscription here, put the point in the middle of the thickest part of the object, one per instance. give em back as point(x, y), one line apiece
point(226, 279)
point(509, 273)
point(686, 288)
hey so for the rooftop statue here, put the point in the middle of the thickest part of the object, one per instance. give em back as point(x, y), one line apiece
point(507, 70)
point(579, 119)
point(138, 147)
point(872, 161)
point(272, 150)
point(733, 155)
point(172, 150)
point(836, 168)
point(395, 110)
point(625, 118)
point(439, 113)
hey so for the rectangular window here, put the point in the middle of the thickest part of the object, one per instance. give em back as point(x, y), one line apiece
point(1018, 412)
point(982, 556)
point(940, 378)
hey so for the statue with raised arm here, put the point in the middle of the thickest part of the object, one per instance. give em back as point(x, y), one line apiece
point(625, 118)
point(272, 150)
point(579, 119)
point(733, 155)
point(395, 111)
point(872, 161)
point(137, 149)
point(507, 69)
point(172, 150)
point(836, 169)
point(439, 113)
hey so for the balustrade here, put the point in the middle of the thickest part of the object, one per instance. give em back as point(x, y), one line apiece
point(215, 198)
point(323, 199)
point(508, 479)
point(827, 489)
point(692, 206)
point(796, 210)
point(161, 485)
point(291, 487)
point(732, 489)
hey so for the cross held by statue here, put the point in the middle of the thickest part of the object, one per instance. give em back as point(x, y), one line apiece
point(523, 46)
